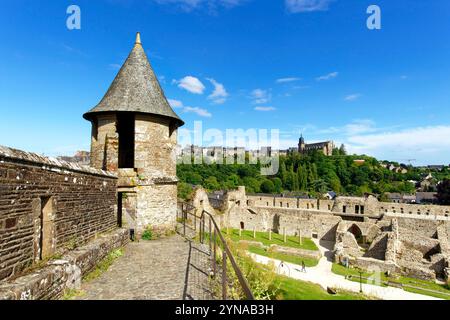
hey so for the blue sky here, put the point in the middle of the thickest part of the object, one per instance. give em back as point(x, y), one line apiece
point(308, 66)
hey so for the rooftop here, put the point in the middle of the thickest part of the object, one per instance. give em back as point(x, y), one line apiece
point(135, 89)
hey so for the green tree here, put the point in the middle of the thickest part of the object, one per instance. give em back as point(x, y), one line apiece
point(184, 191)
point(211, 184)
point(278, 185)
point(342, 150)
point(252, 184)
point(443, 192)
point(267, 186)
point(232, 182)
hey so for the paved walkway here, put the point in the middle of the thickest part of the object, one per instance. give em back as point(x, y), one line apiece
point(322, 275)
point(166, 269)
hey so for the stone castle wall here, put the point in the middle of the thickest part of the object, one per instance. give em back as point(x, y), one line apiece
point(248, 212)
point(407, 244)
point(372, 207)
point(47, 205)
point(414, 209)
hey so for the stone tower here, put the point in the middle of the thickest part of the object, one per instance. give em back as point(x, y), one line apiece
point(134, 133)
point(301, 144)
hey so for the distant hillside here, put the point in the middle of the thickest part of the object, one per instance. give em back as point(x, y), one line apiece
point(314, 174)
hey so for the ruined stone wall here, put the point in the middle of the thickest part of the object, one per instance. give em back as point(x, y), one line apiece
point(200, 202)
point(414, 209)
point(287, 202)
point(47, 205)
point(241, 210)
point(372, 207)
point(415, 246)
point(422, 227)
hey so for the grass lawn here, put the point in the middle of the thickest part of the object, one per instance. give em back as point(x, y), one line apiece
point(341, 270)
point(291, 289)
point(291, 241)
point(309, 262)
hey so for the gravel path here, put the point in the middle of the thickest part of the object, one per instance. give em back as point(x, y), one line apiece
point(322, 275)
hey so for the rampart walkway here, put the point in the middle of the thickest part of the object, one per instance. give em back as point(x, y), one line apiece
point(167, 269)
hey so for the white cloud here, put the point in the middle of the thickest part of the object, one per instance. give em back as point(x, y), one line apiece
point(219, 94)
point(260, 96)
point(211, 5)
point(175, 103)
point(191, 84)
point(300, 87)
point(265, 109)
point(352, 97)
point(199, 111)
point(296, 6)
point(328, 76)
point(358, 126)
point(288, 79)
point(114, 66)
point(428, 145)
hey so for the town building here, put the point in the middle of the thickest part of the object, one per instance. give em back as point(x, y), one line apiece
point(326, 147)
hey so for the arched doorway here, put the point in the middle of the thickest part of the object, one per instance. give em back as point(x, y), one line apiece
point(356, 231)
point(242, 225)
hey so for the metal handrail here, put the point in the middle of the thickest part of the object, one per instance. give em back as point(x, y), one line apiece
point(214, 233)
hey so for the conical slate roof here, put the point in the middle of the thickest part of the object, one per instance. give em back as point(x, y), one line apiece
point(135, 89)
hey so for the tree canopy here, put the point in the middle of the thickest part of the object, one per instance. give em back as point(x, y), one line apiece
point(312, 173)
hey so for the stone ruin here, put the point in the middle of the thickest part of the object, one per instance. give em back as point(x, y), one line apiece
point(363, 232)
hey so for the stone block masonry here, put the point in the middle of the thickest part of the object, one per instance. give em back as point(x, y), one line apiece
point(49, 206)
point(51, 281)
point(406, 242)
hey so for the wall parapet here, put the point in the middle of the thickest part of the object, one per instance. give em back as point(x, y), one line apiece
point(52, 164)
point(51, 281)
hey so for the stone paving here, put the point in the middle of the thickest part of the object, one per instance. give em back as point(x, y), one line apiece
point(172, 268)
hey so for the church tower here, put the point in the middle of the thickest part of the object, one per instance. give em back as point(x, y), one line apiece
point(301, 144)
point(134, 133)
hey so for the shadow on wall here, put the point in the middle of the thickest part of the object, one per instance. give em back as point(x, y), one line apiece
point(378, 248)
point(330, 235)
point(276, 223)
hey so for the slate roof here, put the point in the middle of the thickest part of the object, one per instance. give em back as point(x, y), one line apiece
point(135, 89)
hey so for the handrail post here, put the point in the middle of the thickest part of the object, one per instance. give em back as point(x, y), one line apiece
point(209, 235)
point(215, 235)
point(203, 227)
point(215, 253)
point(224, 275)
point(184, 213)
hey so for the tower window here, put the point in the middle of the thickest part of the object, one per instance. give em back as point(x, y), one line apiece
point(125, 129)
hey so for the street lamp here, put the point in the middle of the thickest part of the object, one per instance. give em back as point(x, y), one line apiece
point(360, 280)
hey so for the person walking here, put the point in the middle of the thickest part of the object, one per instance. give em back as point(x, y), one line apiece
point(303, 266)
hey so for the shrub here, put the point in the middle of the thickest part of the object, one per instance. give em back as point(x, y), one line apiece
point(261, 279)
point(147, 234)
